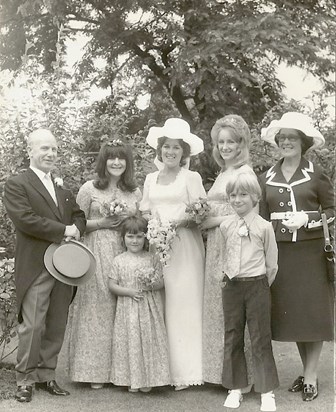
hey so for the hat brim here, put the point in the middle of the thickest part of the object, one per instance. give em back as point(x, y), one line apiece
point(268, 134)
point(196, 144)
point(48, 262)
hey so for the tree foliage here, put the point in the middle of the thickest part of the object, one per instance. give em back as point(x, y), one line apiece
point(205, 58)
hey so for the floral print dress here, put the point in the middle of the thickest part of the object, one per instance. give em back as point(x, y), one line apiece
point(139, 348)
point(91, 315)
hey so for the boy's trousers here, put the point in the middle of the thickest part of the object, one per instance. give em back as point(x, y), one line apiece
point(247, 300)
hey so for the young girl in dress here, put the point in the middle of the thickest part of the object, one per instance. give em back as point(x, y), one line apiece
point(139, 349)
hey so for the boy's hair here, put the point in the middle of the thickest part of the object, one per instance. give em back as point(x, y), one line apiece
point(246, 182)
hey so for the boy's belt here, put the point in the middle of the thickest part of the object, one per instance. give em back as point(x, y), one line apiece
point(244, 278)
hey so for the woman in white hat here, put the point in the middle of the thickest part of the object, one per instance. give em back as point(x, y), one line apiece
point(295, 191)
point(166, 194)
point(231, 140)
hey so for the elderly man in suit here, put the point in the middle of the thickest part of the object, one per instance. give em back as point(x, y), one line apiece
point(42, 213)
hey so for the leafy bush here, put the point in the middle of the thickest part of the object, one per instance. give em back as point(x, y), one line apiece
point(8, 317)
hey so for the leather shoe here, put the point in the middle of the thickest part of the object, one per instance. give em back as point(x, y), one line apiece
point(52, 388)
point(310, 392)
point(24, 393)
point(297, 385)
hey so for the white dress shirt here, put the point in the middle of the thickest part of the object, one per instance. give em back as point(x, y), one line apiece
point(47, 182)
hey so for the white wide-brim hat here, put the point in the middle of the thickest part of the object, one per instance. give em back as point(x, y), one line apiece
point(70, 262)
point(175, 129)
point(293, 120)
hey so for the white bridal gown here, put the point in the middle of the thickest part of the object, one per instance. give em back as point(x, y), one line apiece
point(184, 275)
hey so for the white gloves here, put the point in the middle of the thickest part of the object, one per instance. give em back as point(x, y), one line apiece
point(296, 220)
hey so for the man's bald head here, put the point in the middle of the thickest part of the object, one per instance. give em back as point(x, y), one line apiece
point(42, 149)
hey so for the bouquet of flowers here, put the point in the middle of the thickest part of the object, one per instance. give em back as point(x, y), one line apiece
point(198, 210)
point(114, 208)
point(161, 235)
point(148, 278)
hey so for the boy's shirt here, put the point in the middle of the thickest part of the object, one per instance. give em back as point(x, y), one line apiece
point(258, 252)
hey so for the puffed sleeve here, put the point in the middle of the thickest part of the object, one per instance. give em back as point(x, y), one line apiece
point(145, 202)
point(84, 197)
point(195, 187)
point(115, 270)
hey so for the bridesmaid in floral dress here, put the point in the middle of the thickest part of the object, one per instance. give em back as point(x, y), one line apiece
point(92, 312)
point(140, 347)
point(231, 137)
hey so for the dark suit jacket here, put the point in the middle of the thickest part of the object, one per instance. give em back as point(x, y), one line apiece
point(38, 222)
point(309, 189)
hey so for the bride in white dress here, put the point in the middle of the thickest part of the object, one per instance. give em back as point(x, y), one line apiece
point(166, 193)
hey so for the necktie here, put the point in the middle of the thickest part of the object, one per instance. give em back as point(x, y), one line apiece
point(234, 251)
point(50, 187)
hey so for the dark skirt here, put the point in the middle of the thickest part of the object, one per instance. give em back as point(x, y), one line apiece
point(302, 296)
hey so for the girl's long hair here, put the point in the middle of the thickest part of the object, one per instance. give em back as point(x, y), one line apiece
point(111, 151)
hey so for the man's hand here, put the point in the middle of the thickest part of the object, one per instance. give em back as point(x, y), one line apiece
point(71, 231)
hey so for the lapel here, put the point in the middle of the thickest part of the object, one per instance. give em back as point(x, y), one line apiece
point(274, 176)
point(59, 196)
point(38, 185)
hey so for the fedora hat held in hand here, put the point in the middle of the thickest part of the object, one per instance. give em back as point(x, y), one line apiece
point(70, 262)
point(175, 128)
point(293, 120)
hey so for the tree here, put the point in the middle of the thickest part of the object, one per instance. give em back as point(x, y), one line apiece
point(206, 58)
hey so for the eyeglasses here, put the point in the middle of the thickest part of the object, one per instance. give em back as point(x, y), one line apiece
point(290, 137)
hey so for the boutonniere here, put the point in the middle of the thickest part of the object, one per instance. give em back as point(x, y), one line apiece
point(243, 231)
point(58, 181)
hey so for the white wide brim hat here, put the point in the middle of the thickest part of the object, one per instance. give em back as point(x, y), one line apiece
point(70, 262)
point(293, 120)
point(175, 129)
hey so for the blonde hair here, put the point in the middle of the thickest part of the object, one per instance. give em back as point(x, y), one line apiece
point(247, 182)
point(240, 133)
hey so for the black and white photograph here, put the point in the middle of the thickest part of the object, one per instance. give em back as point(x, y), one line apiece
point(167, 205)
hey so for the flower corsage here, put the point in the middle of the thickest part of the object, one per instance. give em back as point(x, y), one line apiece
point(58, 181)
point(243, 231)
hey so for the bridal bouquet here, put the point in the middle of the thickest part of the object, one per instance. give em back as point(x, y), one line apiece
point(114, 208)
point(198, 210)
point(148, 278)
point(161, 235)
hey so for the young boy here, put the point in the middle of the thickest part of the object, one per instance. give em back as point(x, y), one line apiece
point(250, 266)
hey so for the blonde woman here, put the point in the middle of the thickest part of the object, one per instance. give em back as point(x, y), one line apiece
point(231, 139)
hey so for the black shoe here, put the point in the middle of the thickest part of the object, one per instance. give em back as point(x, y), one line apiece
point(52, 388)
point(24, 393)
point(297, 385)
point(310, 392)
